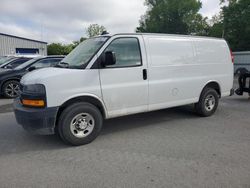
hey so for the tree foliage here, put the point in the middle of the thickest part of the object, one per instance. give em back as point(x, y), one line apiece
point(94, 30)
point(58, 49)
point(236, 23)
point(216, 28)
point(182, 17)
point(173, 16)
point(63, 49)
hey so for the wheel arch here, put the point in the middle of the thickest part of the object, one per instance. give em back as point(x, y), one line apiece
point(85, 98)
point(214, 85)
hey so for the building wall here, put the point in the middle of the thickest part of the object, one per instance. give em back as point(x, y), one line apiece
point(8, 45)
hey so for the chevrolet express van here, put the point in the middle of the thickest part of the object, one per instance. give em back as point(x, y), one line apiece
point(116, 75)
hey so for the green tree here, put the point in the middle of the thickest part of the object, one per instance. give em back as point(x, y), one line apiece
point(197, 25)
point(76, 43)
point(236, 18)
point(59, 49)
point(172, 16)
point(216, 28)
point(63, 49)
point(94, 30)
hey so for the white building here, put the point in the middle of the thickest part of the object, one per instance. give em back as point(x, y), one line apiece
point(12, 45)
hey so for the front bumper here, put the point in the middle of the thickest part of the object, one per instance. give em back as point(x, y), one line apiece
point(36, 120)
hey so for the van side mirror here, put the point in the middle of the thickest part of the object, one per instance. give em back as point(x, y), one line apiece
point(109, 58)
point(31, 68)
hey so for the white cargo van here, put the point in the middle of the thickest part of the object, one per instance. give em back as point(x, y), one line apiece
point(116, 75)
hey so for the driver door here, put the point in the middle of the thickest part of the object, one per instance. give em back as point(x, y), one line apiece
point(125, 85)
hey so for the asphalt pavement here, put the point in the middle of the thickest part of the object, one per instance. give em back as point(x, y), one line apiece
point(166, 148)
point(5, 105)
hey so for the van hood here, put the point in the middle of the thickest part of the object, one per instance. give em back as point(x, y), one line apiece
point(42, 75)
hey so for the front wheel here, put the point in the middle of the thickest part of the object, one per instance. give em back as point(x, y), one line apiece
point(80, 124)
point(208, 102)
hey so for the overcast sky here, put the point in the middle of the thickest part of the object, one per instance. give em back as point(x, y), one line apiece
point(66, 20)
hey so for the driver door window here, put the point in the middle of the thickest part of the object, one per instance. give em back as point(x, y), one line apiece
point(127, 51)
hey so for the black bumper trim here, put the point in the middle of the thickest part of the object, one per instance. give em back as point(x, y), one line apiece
point(36, 120)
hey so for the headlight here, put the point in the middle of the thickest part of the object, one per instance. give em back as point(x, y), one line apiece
point(35, 88)
point(33, 95)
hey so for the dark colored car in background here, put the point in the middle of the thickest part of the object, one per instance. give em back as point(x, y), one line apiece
point(14, 62)
point(10, 78)
point(5, 59)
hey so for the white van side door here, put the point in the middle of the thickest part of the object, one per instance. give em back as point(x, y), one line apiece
point(174, 77)
point(125, 84)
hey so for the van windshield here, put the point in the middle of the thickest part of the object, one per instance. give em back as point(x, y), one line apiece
point(83, 53)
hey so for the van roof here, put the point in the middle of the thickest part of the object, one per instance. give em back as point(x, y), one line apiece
point(163, 34)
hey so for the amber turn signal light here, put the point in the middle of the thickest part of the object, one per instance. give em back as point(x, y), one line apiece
point(34, 103)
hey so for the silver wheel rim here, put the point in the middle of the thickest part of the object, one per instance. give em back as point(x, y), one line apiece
point(82, 125)
point(12, 89)
point(209, 103)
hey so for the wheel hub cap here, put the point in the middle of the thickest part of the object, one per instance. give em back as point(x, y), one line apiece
point(12, 90)
point(209, 102)
point(82, 125)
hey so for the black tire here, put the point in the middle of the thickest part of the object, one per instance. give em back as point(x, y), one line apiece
point(69, 114)
point(202, 107)
point(8, 86)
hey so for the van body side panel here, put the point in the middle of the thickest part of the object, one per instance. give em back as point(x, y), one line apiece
point(178, 71)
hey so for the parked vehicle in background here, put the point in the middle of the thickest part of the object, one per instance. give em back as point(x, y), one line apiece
point(14, 62)
point(241, 62)
point(10, 78)
point(117, 75)
point(5, 59)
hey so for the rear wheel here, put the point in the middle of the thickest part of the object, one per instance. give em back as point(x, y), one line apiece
point(208, 102)
point(11, 89)
point(80, 124)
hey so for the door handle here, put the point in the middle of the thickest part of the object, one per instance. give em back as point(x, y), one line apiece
point(145, 74)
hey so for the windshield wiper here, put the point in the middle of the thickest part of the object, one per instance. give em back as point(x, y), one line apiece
point(62, 65)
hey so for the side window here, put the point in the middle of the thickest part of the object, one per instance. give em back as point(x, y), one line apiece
point(127, 51)
point(18, 62)
point(42, 63)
